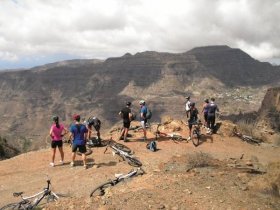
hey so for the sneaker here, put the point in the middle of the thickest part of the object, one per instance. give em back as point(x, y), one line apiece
point(52, 164)
point(72, 164)
point(61, 162)
point(189, 138)
point(85, 166)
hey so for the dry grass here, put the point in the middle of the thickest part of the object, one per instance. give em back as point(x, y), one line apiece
point(199, 160)
point(248, 127)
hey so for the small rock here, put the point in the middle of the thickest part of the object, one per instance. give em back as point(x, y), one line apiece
point(208, 187)
point(244, 188)
point(161, 206)
point(221, 201)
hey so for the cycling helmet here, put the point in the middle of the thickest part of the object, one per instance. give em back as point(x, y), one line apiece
point(142, 102)
point(188, 97)
point(76, 117)
point(55, 118)
point(192, 104)
point(128, 103)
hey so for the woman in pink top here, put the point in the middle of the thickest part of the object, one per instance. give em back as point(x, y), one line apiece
point(57, 131)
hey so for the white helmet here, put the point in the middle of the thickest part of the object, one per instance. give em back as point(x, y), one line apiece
point(142, 102)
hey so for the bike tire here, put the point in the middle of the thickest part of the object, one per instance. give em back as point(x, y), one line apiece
point(122, 147)
point(195, 138)
point(133, 161)
point(11, 206)
point(99, 190)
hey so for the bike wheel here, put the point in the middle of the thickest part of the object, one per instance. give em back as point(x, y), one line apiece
point(195, 138)
point(133, 161)
point(122, 147)
point(11, 206)
point(100, 190)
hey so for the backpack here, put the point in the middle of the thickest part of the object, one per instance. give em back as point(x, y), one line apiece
point(149, 114)
point(152, 146)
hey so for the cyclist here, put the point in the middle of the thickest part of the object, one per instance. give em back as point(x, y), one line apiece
point(96, 123)
point(143, 120)
point(79, 137)
point(193, 118)
point(188, 106)
point(211, 115)
point(126, 115)
point(57, 131)
point(205, 111)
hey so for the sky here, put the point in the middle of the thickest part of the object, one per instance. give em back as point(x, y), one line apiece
point(36, 32)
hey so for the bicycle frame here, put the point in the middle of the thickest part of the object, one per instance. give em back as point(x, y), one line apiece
point(115, 181)
point(126, 155)
point(173, 136)
point(27, 203)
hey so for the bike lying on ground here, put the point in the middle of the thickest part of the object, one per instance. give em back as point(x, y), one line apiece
point(100, 190)
point(196, 133)
point(172, 136)
point(124, 152)
point(248, 139)
point(33, 201)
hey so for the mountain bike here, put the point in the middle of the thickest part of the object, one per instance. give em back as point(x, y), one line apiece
point(172, 136)
point(33, 201)
point(196, 133)
point(248, 139)
point(124, 152)
point(100, 189)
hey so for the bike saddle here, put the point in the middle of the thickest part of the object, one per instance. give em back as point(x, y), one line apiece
point(16, 194)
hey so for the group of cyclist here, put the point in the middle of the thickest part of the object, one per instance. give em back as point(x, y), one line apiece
point(80, 132)
point(209, 110)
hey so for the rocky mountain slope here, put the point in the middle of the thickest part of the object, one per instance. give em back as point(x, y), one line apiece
point(30, 97)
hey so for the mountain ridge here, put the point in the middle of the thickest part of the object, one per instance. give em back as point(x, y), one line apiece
point(30, 98)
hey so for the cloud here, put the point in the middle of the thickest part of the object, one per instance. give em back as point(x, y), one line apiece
point(101, 29)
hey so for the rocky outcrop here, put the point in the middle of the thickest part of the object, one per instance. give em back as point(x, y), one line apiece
point(269, 113)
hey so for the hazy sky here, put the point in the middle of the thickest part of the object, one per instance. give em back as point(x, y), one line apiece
point(34, 32)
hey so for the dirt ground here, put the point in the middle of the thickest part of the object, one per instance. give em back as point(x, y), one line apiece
point(221, 173)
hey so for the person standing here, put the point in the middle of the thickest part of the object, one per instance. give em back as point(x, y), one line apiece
point(126, 115)
point(188, 107)
point(79, 138)
point(211, 115)
point(193, 118)
point(57, 131)
point(143, 120)
point(205, 111)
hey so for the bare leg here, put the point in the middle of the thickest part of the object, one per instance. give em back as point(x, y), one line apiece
point(84, 158)
point(61, 153)
point(73, 156)
point(125, 133)
point(53, 154)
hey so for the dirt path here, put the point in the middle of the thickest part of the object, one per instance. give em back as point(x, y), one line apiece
point(167, 184)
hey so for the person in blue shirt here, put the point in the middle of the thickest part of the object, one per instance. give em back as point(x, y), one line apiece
point(79, 138)
point(143, 120)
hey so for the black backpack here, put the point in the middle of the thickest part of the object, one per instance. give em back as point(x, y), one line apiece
point(149, 114)
point(152, 146)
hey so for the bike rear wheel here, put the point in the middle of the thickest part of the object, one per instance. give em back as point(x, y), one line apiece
point(122, 147)
point(195, 138)
point(12, 206)
point(133, 161)
point(100, 190)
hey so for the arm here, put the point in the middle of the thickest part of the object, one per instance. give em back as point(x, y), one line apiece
point(51, 132)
